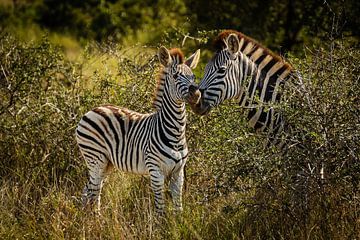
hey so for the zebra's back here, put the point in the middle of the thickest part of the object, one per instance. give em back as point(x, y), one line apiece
point(115, 134)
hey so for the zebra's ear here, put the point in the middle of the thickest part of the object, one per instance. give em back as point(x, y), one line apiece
point(193, 60)
point(233, 43)
point(164, 56)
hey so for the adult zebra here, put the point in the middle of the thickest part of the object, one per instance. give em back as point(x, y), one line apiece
point(244, 70)
point(148, 144)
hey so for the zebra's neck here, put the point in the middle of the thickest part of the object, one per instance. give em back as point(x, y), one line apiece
point(168, 110)
point(172, 113)
point(262, 76)
point(159, 92)
point(261, 79)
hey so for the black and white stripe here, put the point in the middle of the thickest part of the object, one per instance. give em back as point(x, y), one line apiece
point(148, 144)
point(242, 69)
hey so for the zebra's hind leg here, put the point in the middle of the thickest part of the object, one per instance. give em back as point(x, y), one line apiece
point(176, 185)
point(98, 169)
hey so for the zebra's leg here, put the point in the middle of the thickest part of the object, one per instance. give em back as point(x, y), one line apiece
point(157, 181)
point(97, 167)
point(176, 185)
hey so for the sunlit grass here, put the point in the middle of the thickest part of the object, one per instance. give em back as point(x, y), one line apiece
point(126, 213)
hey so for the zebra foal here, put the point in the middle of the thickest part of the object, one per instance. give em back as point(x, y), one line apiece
point(147, 144)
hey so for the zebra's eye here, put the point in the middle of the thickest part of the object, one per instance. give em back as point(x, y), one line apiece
point(176, 75)
point(222, 70)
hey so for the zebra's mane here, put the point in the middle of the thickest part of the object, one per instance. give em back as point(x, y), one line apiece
point(177, 58)
point(249, 47)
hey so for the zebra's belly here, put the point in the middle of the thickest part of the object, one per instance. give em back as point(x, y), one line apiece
point(131, 161)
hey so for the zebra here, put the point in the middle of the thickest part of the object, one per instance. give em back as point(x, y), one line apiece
point(147, 144)
point(244, 70)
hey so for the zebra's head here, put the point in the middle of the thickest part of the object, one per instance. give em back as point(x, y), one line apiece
point(220, 78)
point(179, 78)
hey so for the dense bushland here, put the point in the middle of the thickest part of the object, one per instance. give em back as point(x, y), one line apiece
point(311, 188)
point(235, 188)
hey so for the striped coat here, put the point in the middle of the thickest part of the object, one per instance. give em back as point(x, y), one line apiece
point(148, 144)
point(244, 70)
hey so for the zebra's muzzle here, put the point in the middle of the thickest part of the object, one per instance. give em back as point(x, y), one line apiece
point(194, 95)
point(200, 107)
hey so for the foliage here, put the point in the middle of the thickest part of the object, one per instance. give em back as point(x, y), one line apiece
point(98, 20)
point(281, 25)
point(43, 97)
point(235, 188)
point(34, 108)
point(309, 191)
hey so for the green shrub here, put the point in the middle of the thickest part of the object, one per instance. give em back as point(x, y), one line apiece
point(235, 188)
point(37, 111)
point(44, 96)
point(308, 191)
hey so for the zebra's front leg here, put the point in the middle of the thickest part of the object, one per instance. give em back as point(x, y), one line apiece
point(176, 185)
point(157, 181)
